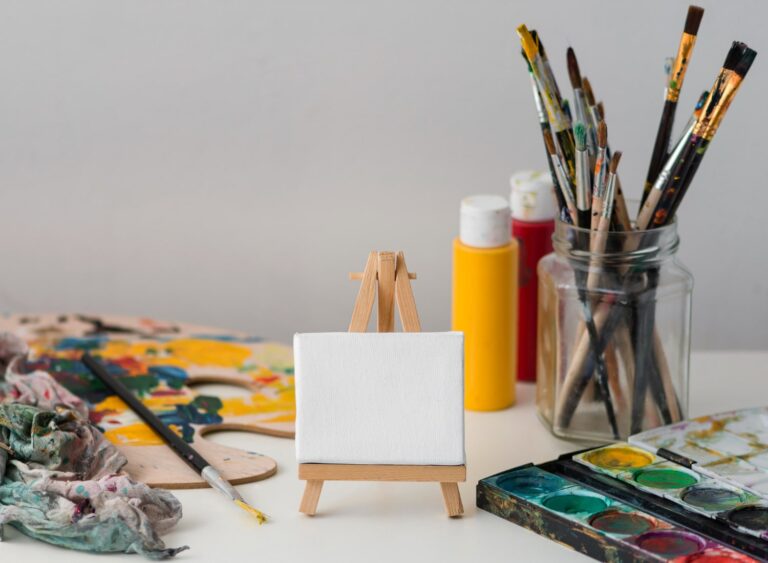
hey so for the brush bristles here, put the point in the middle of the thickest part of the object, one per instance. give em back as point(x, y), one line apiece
point(258, 514)
point(615, 158)
point(693, 20)
point(735, 53)
point(588, 93)
point(529, 45)
point(742, 67)
point(580, 136)
point(549, 142)
point(600, 110)
point(573, 68)
point(602, 134)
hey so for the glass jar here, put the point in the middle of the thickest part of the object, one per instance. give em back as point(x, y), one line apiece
point(614, 334)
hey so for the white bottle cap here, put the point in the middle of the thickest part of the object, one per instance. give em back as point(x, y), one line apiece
point(484, 221)
point(533, 196)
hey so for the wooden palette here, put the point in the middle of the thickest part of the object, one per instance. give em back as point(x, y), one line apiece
point(162, 363)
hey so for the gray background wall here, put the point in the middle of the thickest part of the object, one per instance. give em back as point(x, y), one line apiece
point(228, 162)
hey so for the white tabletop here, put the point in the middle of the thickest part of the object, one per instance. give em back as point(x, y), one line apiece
point(402, 521)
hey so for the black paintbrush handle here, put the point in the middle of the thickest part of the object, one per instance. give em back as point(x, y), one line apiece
point(660, 146)
point(179, 446)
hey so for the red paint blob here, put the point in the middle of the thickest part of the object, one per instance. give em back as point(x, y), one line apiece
point(671, 543)
point(716, 555)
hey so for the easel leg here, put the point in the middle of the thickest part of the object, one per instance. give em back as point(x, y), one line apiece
point(311, 497)
point(452, 499)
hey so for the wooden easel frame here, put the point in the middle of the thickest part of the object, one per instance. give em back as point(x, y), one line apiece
point(386, 275)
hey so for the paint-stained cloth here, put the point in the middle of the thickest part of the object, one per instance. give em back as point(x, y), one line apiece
point(61, 481)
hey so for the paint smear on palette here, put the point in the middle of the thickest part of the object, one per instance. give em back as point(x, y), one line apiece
point(159, 371)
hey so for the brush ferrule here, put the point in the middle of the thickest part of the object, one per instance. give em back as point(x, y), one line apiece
point(584, 116)
point(583, 180)
point(687, 41)
point(562, 180)
point(542, 114)
point(601, 173)
point(674, 156)
point(717, 104)
point(216, 481)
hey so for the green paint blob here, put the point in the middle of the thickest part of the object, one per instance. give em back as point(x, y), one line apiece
point(573, 503)
point(665, 478)
point(711, 498)
point(622, 523)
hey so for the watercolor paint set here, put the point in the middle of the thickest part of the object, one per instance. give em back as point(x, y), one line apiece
point(670, 494)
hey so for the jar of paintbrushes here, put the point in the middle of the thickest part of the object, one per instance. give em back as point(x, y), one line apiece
point(614, 333)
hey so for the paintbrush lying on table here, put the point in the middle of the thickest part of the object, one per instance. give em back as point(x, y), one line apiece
point(176, 443)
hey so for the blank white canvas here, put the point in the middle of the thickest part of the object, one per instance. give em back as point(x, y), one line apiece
point(380, 398)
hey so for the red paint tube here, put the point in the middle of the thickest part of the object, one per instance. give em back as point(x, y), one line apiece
point(534, 208)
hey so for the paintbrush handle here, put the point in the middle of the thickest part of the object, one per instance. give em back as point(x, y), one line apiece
point(620, 211)
point(176, 443)
point(660, 146)
point(597, 209)
point(597, 244)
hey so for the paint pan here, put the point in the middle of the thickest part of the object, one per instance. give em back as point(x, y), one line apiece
point(665, 477)
point(670, 543)
point(751, 518)
point(618, 523)
point(530, 482)
point(617, 459)
point(710, 498)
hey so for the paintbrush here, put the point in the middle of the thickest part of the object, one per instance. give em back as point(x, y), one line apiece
point(600, 175)
point(174, 441)
point(564, 214)
point(677, 75)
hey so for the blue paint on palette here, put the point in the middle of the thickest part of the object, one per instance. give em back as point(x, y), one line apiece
point(85, 344)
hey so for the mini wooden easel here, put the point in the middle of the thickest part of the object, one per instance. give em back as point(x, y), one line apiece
point(386, 274)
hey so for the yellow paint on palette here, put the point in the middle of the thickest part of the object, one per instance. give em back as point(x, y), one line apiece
point(111, 403)
point(183, 353)
point(138, 434)
point(114, 404)
point(619, 457)
point(257, 404)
